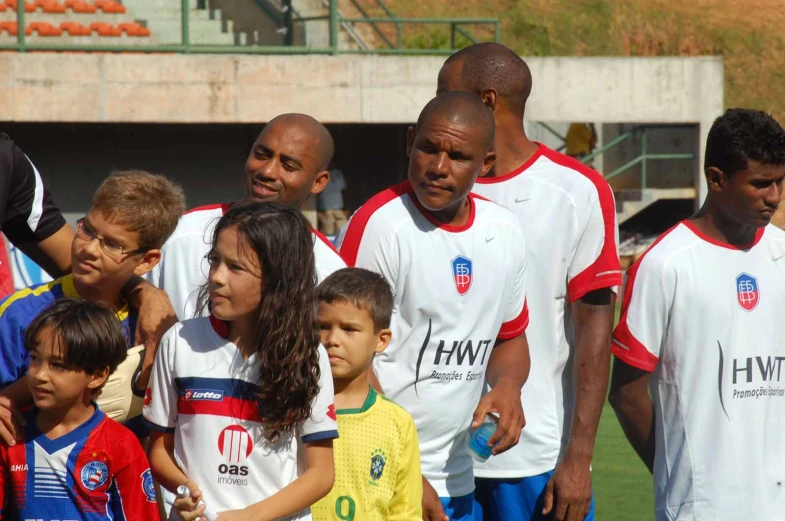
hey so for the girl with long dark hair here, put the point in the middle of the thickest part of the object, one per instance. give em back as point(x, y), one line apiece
point(242, 401)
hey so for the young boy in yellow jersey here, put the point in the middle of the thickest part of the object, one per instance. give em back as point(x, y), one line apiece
point(377, 457)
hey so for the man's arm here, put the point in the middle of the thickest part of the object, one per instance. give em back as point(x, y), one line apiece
point(53, 254)
point(629, 397)
point(156, 316)
point(508, 369)
point(570, 486)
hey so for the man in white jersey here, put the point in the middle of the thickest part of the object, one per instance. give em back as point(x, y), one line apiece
point(700, 331)
point(287, 163)
point(568, 217)
point(457, 266)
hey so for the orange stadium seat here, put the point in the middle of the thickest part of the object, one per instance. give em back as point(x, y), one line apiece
point(134, 29)
point(105, 29)
point(50, 6)
point(11, 27)
point(76, 29)
point(110, 6)
point(43, 29)
point(29, 6)
point(83, 7)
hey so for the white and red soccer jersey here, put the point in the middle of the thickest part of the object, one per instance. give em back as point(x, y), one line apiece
point(568, 217)
point(456, 289)
point(184, 268)
point(203, 392)
point(97, 472)
point(705, 319)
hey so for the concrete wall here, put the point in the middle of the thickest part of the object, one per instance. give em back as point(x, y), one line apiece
point(339, 89)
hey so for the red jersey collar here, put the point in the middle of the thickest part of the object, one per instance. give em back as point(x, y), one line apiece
point(509, 175)
point(220, 327)
point(436, 222)
point(758, 235)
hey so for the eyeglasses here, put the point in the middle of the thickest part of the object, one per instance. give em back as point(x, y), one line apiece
point(115, 251)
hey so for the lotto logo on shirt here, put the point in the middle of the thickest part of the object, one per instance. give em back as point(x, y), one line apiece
point(462, 274)
point(204, 394)
point(235, 445)
point(747, 291)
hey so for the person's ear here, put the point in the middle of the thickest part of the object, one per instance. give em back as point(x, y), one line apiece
point(488, 162)
point(411, 132)
point(97, 379)
point(715, 179)
point(490, 97)
point(320, 182)
point(148, 262)
point(384, 336)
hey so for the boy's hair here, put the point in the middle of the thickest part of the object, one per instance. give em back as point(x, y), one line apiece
point(365, 289)
point(741, 135)
point(87, 334)
point(145, 203)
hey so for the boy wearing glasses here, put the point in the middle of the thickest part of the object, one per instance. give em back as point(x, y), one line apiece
point(131, 216)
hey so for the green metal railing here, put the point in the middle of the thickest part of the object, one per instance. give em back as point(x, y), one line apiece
point(334, 19)
point(643, 158)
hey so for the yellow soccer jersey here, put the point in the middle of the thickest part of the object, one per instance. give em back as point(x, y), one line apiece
point(377, 466)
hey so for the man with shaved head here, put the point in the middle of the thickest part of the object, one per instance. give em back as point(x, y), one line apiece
point(457, 267)
point(287, 163)
point(569, 222)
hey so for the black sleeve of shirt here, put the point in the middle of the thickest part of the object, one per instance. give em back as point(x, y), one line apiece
point(18, 182)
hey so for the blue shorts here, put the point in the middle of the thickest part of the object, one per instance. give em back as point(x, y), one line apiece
point(462, 508)
point(517, 498)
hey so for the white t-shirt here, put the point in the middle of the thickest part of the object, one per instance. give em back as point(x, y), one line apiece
point(202, 391)
point(568, 217)
point(184, 268)
point(706, 319)
point(456, 290)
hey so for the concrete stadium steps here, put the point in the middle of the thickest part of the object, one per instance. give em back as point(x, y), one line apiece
point(164, 19)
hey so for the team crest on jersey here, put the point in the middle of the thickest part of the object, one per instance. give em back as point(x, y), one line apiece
point(148, 487)
point(462, 274)
point(377, 464)
point(94, 474)
point(747, 291)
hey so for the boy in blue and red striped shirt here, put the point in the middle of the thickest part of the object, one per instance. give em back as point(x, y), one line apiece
point(74, 463)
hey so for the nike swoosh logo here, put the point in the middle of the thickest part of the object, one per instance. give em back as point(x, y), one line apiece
point(777, 257)
point(522, 200)
point(489, 239)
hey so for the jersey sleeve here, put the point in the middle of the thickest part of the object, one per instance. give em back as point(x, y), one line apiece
point(406, 503)
point(5, 483)
point(516, 318)
point(365, 243)
point(322, 425)
point(161, 396)
point(134, 490)
point(595, 262)
point(14, 358)
point(646, 305)
point(182, 270)
point(30, 215)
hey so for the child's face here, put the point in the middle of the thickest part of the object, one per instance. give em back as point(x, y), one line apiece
point(52, 383)
point(347, 332)
point(235, 279)
point(110, 262)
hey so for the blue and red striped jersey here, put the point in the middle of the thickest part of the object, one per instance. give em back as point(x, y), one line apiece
point(96, 472)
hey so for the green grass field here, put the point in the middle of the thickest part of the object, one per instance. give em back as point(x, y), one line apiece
point(622, 485)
